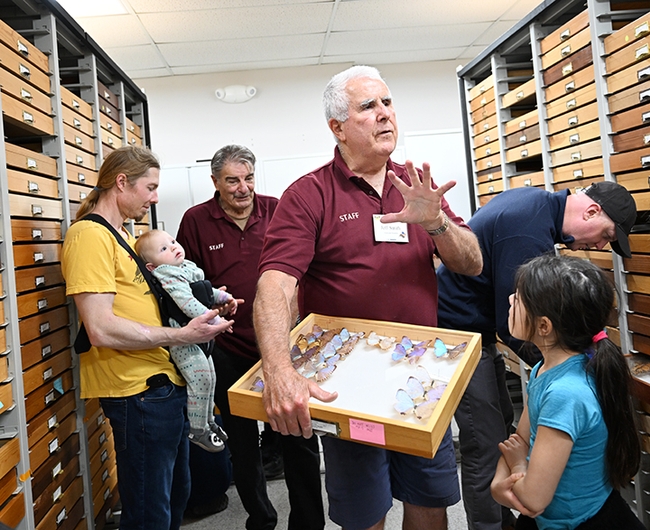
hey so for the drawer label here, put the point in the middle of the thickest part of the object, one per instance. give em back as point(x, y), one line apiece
point(102, 438)
point(644, 95)
point(643, 73)
point(27, 117)
point(57, 494)
point(105, 475)
point(42, 304)
point(490, 189)
point(571, 103)
point(24, 71)
point(49, 397)
point(570, 87)
point(75, 104)
point(107, 493)
point(39, 281)
point(645, 117)
point(577, 173)
point(524, 153)
point(78, 140)
point(38, 256)
point(100, 419)
point(565, 34)
point(37, 233)
point(57, 470)
point(573, 120)
point(520, 94)
point(522, 138)
point(80, 159)
point(104, 456)
point(44, 327)
point(32, 187)
point(61, 517)
point(47, 374)
point(565, 51)
point(528, 182)
point(646, 139)
point(109, 125)
point(22, 48)
point(645, 161)
point(567, 69)
point(522, 124)
point(642, 52)
point(53, 445)
point(25, 94)
point(576, 156)
point(31, 164)
point(37, 209)
point(641, 30)
point(52, 422)
point(46, 350)
point(574, 138)
point(76, 123)
point(82, 195)
point(81, 177)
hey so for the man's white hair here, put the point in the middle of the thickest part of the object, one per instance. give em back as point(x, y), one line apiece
point(335, 98)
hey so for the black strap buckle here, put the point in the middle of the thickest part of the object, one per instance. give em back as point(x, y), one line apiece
point(158, 380)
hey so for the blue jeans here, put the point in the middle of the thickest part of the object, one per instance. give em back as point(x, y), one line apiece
point(150, 432)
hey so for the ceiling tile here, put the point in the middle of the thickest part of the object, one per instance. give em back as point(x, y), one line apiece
point(161, 6)
point(253, 65)
point(150, 72)
point(494, 32)
point(115, 30)
point(136, 57)
point(443, 54)
point(520, 9)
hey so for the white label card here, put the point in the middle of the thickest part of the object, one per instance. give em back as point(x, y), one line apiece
point(389, 232)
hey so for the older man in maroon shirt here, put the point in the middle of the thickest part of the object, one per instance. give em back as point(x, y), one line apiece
point(327, 236)
point(224, 237)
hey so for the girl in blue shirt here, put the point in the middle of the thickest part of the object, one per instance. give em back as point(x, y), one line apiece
point(576, 443)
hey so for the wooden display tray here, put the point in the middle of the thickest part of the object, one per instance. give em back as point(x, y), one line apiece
point(403, 433)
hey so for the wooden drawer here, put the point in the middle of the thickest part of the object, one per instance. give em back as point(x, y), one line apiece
point(637, 181)
point(55, 465)
point(8, 485)
point(111, 139)
point(565, 32)
point(580, 116)
point(104, 473)
point(14, 511)
point(92, 408)
point(17, 65)
point(575, 136)
point(522, 94)
point(630, 119)
point(491, 162)
point(628, 56)
point(639, 303)
point(576, 185)
point(4, 371)
point(630, 161)
point(6, 397)
point(528, 179)
point(522, 122)
point(100, 458)
point(135, 129)
point(628, 141)
point(524, 151)
point(110, 125)
point(630, 97)
point(484, 112)
point(44, 371)
point(570, 84)
point(35, 230)
point(487, 149)
point(25, 49)
point(77, 104)
point(522, 136)
point(80, 158)
point(132, 139)
point(32, 303)
point(109, 110)
point(105, 495)
point(486, 137)
point(628, 77)
point(47, 394)
point(480, 88)
point(24, 159)
point(48, 420)
point(54, 491)
point(77, 121)
point(29, 184)
point(77, 192)
point(66, 513)
point(78, 139)
point(36, 254)
point(33, 352)
point(25, 206)
point(569, 66)
point(27, 118)
point(81, 175)
point(493, 186)
point(106, 150)
point(99, 439)
point(637, 263)
point(474, 104)
point(484, 125)
point(638, 283)
point(20, 89)
point(94, 421)
point(3, 336)
point(576, 153)
point(51, 442)
point(34, 278)
point(107, 94)
point(140, 228)
point(488, 175)
point(627, 34)
point(571, 101)
point(568, 48)
point(639, 243)
point(9, 455)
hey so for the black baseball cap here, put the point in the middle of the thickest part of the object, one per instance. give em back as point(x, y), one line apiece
point(620, 207)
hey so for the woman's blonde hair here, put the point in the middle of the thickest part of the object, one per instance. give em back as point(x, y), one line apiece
point(132, 161)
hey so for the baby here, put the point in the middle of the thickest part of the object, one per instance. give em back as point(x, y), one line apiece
point(165, 258)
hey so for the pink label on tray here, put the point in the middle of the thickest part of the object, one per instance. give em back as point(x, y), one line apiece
point(365, 431)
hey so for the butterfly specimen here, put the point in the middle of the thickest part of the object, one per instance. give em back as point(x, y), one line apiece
point(385, 343)
point(440, 349)
point(420, 396)
point(258, 385)
point(407, 350)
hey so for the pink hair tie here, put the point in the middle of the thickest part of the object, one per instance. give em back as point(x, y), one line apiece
point(599, 336)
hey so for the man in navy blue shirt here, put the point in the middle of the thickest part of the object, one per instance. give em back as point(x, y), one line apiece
point(512, 228)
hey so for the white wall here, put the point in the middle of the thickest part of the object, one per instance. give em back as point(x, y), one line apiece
point(284, 120)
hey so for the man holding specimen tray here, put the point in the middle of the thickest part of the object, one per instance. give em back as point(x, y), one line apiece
point(358, 236)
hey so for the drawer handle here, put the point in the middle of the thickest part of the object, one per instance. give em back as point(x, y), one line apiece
point(42, 304)
point(106, 95)
point(22, 48)
point(642, 52)
point(27, 117)
point(32, 164)
point(642, 74)
point(110, 141)
point(565, 34)
point(52, 423)
point(646, 139)
point(81, 177)
point(571, 103)
point(37, 210)
point(573, 120)
point(489, 164)
point(24, 71)
point(39, 281)
point(486, 139)
point(567, 69)
point(486, 126)
point(522, 124)
point(133, 140)
point(53, 445)
point(78, 140)
point(483, 101)
point(46, 350)
point(490, 189)
point(528, 182)
point(76, 104)
point(58, 493)
point(488, 151)
point(108, 111)
point(25, 94)
point(102, 438)
point(576, 156)
point(522, 139)
point(44, 328)
point(105, 475)
point(490, 176)
point(520, 95)
point(38, 257)
point(570, 87)
point(100, 420)
point(37, 233)
point(76, 123)
point(565, 51)
point(644, 95)
point(107, 494)
point(62, 516)
point(645, 161)
point(524, 153)
point(47, 374)
point(49, 397)
point(574, 138)
point(132, 128)
point(32, 187)
point(577, 173)
point(80, 159)
point(104, 456)
point(641, 30)
point(482, 89)
point(109, 126)
point(645, 117)
point(82, 195)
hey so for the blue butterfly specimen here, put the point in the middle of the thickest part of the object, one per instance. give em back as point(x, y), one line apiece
point(399, 353)
point(415, 354)
point(440, 349)
point(258, 385)
point(421, 408)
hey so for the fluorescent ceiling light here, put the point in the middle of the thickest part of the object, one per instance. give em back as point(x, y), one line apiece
point(93, 8)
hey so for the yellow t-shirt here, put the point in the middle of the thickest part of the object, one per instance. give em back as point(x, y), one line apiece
point(94, 262)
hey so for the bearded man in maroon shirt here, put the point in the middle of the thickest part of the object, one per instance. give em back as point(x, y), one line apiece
point(326, 237)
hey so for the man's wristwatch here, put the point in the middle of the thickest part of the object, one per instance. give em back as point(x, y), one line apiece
point(442, 228)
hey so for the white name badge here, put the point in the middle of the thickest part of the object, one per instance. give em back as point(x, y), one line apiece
point(389, 232)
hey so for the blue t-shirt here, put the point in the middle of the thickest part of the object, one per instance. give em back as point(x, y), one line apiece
point(565, 398)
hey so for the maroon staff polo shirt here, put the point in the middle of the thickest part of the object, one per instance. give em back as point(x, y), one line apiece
point(322, 234)
point(229, 257)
